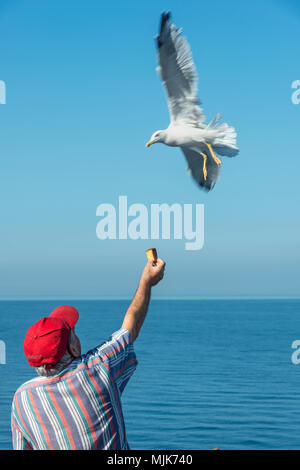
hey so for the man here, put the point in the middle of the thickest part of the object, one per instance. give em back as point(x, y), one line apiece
point(76, 401)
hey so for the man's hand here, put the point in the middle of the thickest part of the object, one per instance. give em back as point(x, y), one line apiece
point(153, 273)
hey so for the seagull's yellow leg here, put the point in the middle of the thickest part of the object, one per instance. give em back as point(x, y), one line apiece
point(204, 165)
point(216, 159)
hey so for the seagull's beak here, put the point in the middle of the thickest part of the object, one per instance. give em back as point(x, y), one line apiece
point(149, 143)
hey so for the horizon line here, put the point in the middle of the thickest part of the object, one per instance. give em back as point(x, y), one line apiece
point(116, 298)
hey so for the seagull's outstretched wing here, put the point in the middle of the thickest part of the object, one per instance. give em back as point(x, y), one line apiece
point(178, 73)
point(195, 166)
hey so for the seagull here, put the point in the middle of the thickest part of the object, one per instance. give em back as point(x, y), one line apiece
point(198, 141)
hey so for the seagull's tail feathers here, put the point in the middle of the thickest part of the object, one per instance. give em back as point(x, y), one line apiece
point(214, 122)
point(225, 141)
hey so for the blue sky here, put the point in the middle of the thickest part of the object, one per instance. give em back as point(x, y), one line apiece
point(83, 97)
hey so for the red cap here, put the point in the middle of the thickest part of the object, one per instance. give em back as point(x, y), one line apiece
point(46, 341)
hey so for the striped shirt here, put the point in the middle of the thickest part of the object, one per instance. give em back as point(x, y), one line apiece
point(79, 408)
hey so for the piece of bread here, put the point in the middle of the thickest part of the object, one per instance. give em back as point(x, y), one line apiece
point(152, 254)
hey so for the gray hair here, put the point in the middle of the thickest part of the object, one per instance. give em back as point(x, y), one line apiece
point(65, 360)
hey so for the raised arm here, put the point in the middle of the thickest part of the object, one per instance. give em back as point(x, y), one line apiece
point(137, 311)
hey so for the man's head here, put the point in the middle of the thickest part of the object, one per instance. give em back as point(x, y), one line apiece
point(51, 338)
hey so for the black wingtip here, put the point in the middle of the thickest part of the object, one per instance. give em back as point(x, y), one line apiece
point(165, 17)
point(207, 186)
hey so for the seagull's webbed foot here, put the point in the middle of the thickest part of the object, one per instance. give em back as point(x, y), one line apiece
point(216, 159)
point(204, 165)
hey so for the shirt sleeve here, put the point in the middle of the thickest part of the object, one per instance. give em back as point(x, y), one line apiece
point(119, 355)
point(19, 442)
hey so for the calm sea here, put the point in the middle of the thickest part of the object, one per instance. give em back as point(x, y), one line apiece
point(211, 373)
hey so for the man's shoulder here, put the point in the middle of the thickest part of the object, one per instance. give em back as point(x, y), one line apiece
point(116, 341)
point(42, 381)
point(27, 386)
point(120, 338)
point(30, 383)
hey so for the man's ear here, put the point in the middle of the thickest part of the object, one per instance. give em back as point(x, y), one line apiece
point(74, 349)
